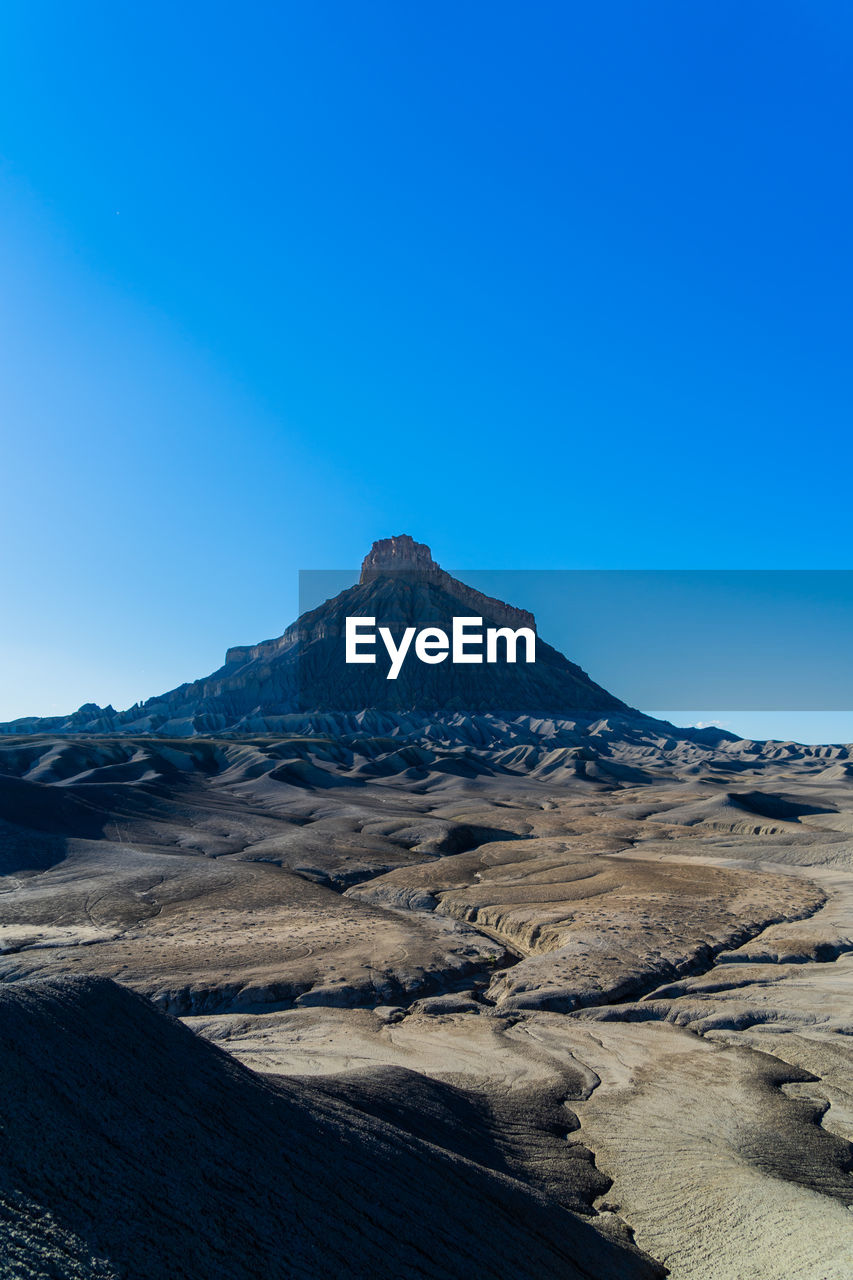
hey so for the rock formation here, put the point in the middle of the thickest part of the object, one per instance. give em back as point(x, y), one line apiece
point(262, 687)
point(403, 556)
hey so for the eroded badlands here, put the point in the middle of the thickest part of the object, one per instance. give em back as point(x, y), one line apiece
point(612, 966)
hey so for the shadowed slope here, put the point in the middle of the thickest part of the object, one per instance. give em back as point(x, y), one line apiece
point(132, 1148)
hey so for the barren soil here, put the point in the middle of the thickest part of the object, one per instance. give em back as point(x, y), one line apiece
point(614, 970)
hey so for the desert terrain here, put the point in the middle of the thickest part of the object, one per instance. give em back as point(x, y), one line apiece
point(579, 992)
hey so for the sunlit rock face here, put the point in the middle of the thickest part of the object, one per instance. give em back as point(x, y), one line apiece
point(402, 555)
point(396, 554)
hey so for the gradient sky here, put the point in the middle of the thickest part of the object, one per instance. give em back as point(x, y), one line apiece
point(551, 286)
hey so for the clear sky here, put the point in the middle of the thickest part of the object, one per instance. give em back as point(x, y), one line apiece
point(557, 285)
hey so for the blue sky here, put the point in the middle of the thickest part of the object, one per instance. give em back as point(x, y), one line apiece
point(549, 286)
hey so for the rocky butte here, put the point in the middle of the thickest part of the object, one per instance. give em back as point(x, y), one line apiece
point(261, 687)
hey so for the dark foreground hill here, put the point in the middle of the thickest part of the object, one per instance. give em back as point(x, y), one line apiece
point(267, 687)
point(131, 1148)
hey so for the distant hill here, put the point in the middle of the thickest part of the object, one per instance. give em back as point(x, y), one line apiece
point(303, 672)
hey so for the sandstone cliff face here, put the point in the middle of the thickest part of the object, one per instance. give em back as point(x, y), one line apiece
point(403, 556)
point(400, 552)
